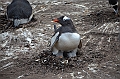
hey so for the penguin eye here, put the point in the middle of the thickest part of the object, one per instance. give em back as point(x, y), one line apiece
point(66, 18)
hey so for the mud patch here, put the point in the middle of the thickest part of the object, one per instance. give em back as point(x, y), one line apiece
point(25, 53)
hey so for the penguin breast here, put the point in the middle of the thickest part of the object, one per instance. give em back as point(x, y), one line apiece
point(68, 41)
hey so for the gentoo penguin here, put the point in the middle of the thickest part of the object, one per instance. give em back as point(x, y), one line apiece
point(119, 7)
point(65, 38)
point(19, 11)
point(114, 4)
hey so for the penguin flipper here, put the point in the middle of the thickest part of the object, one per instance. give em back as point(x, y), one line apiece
point(55, 28)
point(80, 45)
point(54, 39)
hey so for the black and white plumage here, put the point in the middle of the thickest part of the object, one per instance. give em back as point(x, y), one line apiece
point(19, 11)
point(119, 7)
point(66, 38)
point(114, 4)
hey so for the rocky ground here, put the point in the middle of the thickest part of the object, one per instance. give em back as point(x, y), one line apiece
point(25, 51)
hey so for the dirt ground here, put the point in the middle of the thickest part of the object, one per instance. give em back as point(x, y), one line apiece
point(25, 51)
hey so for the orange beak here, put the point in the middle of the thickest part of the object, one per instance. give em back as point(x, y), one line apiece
point(55, 20)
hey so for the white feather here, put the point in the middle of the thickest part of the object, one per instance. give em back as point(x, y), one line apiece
point(65, 18)
point(68, 41)
point(53, 39)
point(21, 21)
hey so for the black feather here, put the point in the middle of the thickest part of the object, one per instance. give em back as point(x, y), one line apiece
point(113, 2)
point(19, 9)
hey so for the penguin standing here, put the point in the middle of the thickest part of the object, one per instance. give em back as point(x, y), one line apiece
point(19, 11)
point(114, 4)
point(65, 38)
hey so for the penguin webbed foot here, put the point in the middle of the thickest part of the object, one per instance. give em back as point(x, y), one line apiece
point(59, 54)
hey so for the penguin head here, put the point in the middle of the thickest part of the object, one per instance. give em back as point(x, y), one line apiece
point(114, 4)
point(115, 8)
point(63, 20)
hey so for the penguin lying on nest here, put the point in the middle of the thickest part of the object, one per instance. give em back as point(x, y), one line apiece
point(19, 12)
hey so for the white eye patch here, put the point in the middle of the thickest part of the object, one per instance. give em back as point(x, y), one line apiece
point(65, 18)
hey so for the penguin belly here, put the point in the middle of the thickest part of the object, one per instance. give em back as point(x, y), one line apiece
point(68, 41)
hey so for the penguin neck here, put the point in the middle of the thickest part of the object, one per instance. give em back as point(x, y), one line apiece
point(69, 23)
